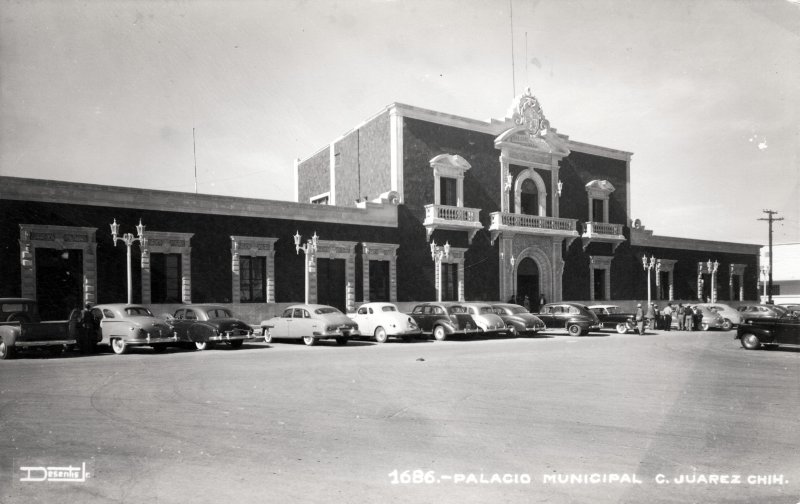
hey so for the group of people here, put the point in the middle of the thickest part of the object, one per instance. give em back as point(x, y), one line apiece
point(689, 318)
point(84, 327)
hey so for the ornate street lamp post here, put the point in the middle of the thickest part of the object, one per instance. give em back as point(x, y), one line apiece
point(649, 265)
point(437, 254)
point(765, 279)
point(309, 250)
point(128, 239)
point(713, 267)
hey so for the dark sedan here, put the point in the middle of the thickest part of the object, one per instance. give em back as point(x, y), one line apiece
point(576, 318)
point(783, 329)
point(443, 319)
point(612, 318)
point(206, 325)
point(518, 320)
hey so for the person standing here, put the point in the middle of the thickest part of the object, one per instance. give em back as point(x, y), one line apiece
point(650, 315)
point(666, 317)
point(688, 319)
point(87, 330)
point(526, 303)
point(681, 312)
point(697, 319)
point(639, 317)
point(656, 317)
point(542, 302)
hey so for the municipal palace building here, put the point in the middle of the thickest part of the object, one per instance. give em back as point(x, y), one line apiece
point(411, 205)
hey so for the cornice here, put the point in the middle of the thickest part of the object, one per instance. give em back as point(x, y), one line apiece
point(54, 191)
point(645, 238)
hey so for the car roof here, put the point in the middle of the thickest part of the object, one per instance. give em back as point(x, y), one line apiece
point(203, 307)
point(377, 303)
point(603, 306)
point(119, 306)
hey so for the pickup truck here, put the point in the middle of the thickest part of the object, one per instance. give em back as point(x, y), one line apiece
point(21, 328)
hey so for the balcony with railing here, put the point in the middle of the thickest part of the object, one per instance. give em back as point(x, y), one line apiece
point(533, 225)
point(452, 218)
point(602, 232)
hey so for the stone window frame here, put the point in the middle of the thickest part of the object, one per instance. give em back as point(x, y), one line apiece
point(530, 174)
point(33, 236)
point(252, 246)
point(735, 269)
point(456, 257)
point(599, 190)
point(372, 251)
point(450, 166)
point(335, 249)
point(668, 266)
point(168, 242)
point(600, 263)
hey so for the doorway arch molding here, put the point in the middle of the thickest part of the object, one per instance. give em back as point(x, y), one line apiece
point(543, 261)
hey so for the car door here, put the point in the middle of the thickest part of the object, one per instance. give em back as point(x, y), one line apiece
point(547, 315)
point(301, 324)
point(787, 330)
point(282, 324)
point(419, 316)
point(365, 319)
point(179, 324)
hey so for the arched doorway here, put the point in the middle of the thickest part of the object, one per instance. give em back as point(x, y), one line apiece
point(528, 283)
point(529, 198)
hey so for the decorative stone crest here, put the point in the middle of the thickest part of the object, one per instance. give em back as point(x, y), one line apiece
point(528, 112)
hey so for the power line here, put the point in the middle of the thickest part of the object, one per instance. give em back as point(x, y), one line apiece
point(770, 219)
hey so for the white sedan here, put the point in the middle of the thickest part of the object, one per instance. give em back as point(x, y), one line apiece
point(382, 320)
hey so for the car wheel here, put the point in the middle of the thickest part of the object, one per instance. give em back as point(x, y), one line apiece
point(727, 325)
point(439, 334)
point(704, 326)
point(6, 351)
point(380, 335)
point(159, 348)
point(341, 340)
point(267, 336)
point(118, 346)
point(237, 343)
point(574, 330)
point(309, 340)
point(511, 330)
point(622, 328)
point(750, 341)
point(203, 345)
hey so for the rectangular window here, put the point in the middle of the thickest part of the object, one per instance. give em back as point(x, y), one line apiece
point(449, 282)
point(252, 272)
point(597, 211)
point(379, 280)
point(663, 288)
point(166, 278)
point(599, 285)
point(448, 192)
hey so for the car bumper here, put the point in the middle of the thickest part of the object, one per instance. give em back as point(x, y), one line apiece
point(151, 341)
point(338, 334)
point(232, 337)
point(409, 332)
point(45, 343)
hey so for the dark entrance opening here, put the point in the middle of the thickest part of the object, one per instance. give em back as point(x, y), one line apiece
point(331, 283)
point(529, 198)
point(379, 280)
point(663, 288)
point(600, 285)
point(165, 278)
point(597, 210)
point(736, 287)
point(528, 283)
point(59, 282)
point(449, 282)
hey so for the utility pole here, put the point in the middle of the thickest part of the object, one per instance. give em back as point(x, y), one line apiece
point(770, 219)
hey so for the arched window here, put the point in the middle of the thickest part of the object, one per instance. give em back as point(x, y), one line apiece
point(529, 198)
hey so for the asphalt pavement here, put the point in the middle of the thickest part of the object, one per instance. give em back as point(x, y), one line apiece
point(665, 417)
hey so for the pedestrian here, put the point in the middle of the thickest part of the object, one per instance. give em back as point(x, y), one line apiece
point(650, 315)
point(87, 329)
point(657, 316)
point(542, 302)
point(639, 317)
point(526, 303)
point(681, 313)
point(688, 319)
point(666, 317)
point(697, 319)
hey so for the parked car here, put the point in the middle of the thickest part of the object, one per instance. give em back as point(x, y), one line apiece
point(518, 320)
point(21, 328)
point(611, 317)
point(762, 311)
point(206, 325)
point(383, 320)
point(443, 319)
point(730, 316)
point(783, 329)
point(576, 318)
point(794, 308)
point(311, 323)
point(126, 325)
point(485, 318)
point(711, 319)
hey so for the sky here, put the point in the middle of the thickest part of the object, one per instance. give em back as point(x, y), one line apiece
point(705, 94)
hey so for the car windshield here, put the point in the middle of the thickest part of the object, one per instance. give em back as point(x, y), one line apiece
point(483, 310)
point(518, 309)
point(138, 311)
point(215, 313)
point(457, 309)
point(388, 308)
point(327, 309)
point(780, 310)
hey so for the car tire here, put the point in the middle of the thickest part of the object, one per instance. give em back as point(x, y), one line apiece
point(574, 330)
point(309, 340)
point(203, 345)
point(727, 325)
point(6, 351)
point(342, 340)
point(622, 328)
point(704, 326)
point(439, 333)
point(511, 331)
point(267, 336)
point(750, 341)
point(237, 343)
point(119, 346)
point(380, 335)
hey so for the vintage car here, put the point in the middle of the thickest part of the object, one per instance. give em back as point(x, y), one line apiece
point(762, 310)
point(730, 316)
point(576, 318)
point(794, 308)
point(443, 319)
point(311, 323)
point(203, 326)
point(611, 317)
point(384, 320)
point(22, 329)
point(127, 325)
point(783, 329)
point(711, 319)
point(485, 318)
point(518, 320)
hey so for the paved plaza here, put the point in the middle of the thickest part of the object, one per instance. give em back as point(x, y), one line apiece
point(666, 417)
